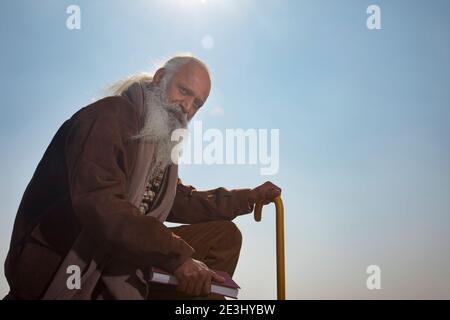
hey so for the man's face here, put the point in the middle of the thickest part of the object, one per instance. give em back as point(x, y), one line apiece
point(189, 88)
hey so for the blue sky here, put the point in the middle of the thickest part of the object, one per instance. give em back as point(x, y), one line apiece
point(364, 119)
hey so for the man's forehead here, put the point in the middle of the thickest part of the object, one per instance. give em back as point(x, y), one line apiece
point(196, 76)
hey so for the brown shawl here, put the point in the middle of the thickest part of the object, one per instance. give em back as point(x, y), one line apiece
point(99, 260)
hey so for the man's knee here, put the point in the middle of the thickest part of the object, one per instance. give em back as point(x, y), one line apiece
point(231, 234)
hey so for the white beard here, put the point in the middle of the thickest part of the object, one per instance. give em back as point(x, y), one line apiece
point(161, 119)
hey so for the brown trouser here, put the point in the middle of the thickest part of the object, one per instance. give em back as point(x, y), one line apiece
point(216, 243)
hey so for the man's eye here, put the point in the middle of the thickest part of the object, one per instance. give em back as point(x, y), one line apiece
point(183, 91)
point(197, 103)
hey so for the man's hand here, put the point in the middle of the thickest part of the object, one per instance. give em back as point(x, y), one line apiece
point(195, 277)
point(264, 194)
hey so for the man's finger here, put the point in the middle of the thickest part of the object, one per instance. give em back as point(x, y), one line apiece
point(275, 191)
point(217, 278)
point(206, 287)
point(190, 287)
point(182, 286)
point(198, 286)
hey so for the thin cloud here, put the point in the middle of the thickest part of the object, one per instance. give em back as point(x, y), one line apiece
point(217, 112)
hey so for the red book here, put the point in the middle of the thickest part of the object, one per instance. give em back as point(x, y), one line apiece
point(228, 288)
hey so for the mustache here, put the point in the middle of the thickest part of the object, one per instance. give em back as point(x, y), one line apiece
point(176, 112)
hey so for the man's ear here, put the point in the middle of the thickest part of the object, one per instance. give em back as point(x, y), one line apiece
point(159, 74)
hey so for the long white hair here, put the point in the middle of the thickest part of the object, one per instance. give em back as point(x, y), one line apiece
point(171, 66)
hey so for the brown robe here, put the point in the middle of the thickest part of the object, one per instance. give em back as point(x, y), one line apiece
point(81, 196)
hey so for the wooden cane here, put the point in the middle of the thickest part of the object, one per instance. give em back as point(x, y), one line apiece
point(281, 284)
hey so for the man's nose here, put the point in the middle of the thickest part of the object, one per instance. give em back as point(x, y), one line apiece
point(186, 105)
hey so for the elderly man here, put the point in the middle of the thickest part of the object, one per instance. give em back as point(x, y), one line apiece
point(98, 199)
